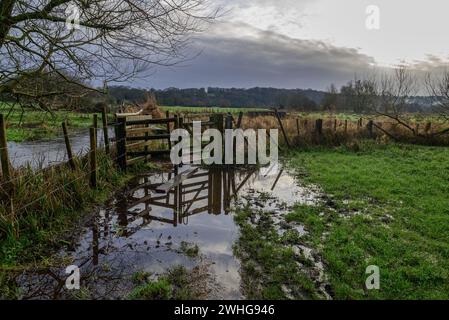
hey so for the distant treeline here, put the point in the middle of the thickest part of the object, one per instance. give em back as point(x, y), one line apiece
point(304, 100)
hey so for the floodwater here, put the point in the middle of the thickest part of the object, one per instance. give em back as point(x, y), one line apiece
point(47, 152)
point(145, 229)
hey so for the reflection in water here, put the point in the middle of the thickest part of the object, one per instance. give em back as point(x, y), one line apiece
point(143, 229)
point(202, 191)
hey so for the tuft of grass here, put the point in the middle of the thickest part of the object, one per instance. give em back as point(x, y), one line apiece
point(140, 277)
point(177, 283)
point(189, 249)
point(156, 290)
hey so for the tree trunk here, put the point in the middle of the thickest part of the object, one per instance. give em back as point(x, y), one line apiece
point(6, 7)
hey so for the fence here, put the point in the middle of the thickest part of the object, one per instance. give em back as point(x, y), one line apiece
point(136, 135)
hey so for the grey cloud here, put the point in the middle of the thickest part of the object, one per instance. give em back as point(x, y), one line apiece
point(241, 56)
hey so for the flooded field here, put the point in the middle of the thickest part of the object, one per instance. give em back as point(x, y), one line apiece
point(150, 227)
point(44, 153)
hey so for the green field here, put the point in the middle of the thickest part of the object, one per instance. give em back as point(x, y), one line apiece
point(210, 109)
point(388, 206)
point(35, 125)
point(29, 124)
point(384, 205)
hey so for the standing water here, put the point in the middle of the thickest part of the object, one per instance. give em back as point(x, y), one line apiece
point(148, 227)
point(47, 152)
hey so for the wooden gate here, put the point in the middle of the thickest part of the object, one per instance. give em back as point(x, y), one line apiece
point(135, 135)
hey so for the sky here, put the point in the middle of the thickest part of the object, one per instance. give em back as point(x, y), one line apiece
point(310, 43)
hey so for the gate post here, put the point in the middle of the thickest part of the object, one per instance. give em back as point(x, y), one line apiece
point(121, 143)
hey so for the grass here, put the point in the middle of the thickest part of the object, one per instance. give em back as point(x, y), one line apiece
point(390, 208)
point(47, 208)
point(191, 250)
point(177, 283)
point(209, 109)
point(270, 267)
point(35, 125)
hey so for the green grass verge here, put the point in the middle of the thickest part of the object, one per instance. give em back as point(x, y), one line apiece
point(390, 208)
point(35, 125)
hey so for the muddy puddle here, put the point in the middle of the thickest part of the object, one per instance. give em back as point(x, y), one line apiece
point(149, 228)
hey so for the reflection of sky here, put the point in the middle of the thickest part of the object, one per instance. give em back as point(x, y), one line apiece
point(153, 246)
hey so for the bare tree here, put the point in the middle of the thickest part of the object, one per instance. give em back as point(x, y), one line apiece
point(85, 40)
point(393, 94)
point(330, 100)
point(359, 96)
point(438, 90)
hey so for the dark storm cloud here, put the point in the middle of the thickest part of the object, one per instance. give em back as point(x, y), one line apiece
point(241, 56)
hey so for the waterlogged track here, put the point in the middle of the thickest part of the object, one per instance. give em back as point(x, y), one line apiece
point(145, 231)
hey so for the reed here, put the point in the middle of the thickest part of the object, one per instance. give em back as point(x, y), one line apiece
point(338, 131)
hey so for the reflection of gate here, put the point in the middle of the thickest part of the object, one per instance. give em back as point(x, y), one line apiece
point(200, 191)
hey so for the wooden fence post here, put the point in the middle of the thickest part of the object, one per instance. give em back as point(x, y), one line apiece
point(95, 125)
point(105, 130)
point(428, 127)
point(284, 133)
point(319, 127)
point(4, 157)
point(181, 126)
point(219, 122)
point(370, 128)
point(239, 120)
point(167, 115)
point(176, 166)
point(93, 158)
point(121, 142)
point(228, 125)
point(68, 146)
point(335, 125)
point(228, 121)
point(297, 125)
point(346, 125)
point(146, 142)
point(219, 119)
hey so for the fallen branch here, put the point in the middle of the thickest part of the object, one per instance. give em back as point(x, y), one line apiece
point(386, 132)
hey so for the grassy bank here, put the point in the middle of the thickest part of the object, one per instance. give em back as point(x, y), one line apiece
point(388, 206)
point(46, 207)
point(34, 125)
